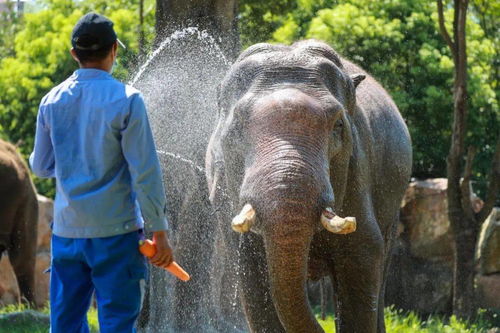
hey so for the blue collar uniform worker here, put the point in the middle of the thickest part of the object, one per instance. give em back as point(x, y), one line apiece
point(94, 137)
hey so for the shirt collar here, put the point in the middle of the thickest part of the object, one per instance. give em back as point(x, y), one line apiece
point(90, 74)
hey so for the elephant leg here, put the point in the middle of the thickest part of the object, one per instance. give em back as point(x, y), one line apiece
point(7, 221)
point(380, 319)
point(358, 283)
point(389, 242)
point(22, 250)
point(4, 237)
point(256, 294)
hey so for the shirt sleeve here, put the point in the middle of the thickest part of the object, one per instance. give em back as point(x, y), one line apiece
point(140, 153)
point(42, 160)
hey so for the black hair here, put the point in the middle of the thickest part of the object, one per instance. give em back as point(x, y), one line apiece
point(91, 55)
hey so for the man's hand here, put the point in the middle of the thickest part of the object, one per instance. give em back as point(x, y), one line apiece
point(164, 255)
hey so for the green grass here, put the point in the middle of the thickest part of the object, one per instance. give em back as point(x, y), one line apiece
point(396, 322)
point(35, 327)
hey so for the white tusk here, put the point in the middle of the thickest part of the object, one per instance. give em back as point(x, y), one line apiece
point(244, 220)
point(336, 224)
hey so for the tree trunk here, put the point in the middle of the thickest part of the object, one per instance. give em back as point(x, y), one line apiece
point(141, 29)
point(463, 228)
point(464, 222)
point(464, 302)
point(217, 17)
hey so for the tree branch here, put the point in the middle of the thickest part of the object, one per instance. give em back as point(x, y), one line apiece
point(456, 14)
point(442, 27)
point(493, 188)
point(465, 186)
point(459, 33)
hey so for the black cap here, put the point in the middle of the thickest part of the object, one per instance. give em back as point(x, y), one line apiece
point(93, 32)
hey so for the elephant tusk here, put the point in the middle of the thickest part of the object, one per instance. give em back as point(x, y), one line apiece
point(337, 224)
point(244, 220)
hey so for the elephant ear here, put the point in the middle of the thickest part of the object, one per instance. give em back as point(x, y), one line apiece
point(357, 78)
point(214, 169)
point(216, 185)
point(211, 172)
point(218, 96)
point(219, 199)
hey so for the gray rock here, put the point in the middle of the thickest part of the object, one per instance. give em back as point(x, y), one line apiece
point(45, 218)
point(416, 284)
point(425, 219)
point(424, 216)
point(488, 248)
point(488, 291)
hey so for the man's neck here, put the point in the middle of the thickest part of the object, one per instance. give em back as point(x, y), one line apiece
point(94, 65)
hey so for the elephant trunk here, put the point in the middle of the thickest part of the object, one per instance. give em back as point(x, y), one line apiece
point(287, 252)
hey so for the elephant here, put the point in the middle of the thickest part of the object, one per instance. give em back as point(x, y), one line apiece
point(18, 218)
point(308, 163)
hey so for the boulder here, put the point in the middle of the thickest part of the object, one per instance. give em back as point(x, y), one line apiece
point(42, 278)
point(488, 291)
point(425, 219)
point(421, 275)
point(488, 248)
point(424, 216)
point(416, 284)
point(45, 217)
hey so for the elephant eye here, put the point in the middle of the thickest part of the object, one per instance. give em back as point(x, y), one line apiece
point(339, 124)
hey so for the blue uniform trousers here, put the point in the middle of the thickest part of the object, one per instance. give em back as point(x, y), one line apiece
point(113, 267)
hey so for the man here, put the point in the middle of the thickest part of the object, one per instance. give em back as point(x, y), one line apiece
point(93, 136)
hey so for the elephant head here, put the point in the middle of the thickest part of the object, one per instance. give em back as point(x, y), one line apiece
point(281, 153)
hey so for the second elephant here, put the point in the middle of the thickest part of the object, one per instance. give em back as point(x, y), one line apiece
point(18, 218)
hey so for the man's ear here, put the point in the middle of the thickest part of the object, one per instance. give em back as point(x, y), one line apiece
point(115, 49)
point(73, 54)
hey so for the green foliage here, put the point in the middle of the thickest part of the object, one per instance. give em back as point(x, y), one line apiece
point(396, 40)
point(259, 20)
point(10, 22)
point(399, 43)
point(40, 60)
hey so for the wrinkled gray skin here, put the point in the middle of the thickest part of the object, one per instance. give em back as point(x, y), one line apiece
point(300, 130)
point(18, 218)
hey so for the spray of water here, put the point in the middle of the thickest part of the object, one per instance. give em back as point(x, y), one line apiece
point(179, 82)
point(179, 34)
point(182, 160)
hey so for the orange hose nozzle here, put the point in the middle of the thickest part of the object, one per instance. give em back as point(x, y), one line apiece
point(148, 249)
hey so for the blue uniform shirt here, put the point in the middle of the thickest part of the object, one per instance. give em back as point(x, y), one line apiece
point(94, 137)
